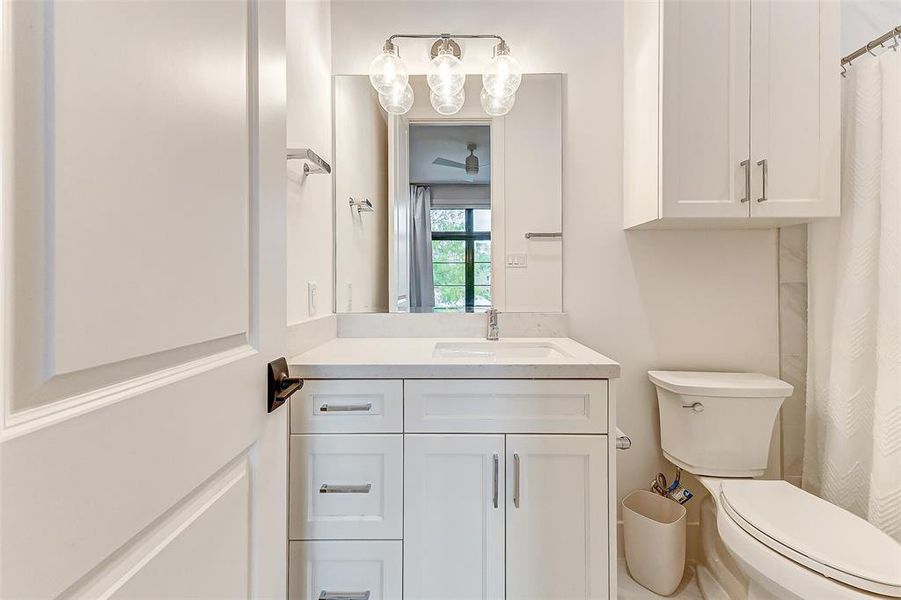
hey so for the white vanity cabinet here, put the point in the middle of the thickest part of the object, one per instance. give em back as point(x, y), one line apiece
point(731, 112)
point(532, 508)
point(488, 489)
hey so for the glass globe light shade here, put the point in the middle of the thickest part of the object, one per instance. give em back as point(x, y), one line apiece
point(446, 76)
point(446, 104)
point(496, 106)
point(388, 72)
point(502, 75)
point(398, 100)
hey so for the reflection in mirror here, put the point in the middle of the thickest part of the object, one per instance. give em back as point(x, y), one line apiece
point(450, 219)
point(432, 212)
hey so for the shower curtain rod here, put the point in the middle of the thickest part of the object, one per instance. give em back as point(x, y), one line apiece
point(878, 42)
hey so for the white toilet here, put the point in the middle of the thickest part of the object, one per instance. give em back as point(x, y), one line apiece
point(763, 539)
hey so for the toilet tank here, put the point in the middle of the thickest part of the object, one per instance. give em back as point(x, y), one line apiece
point(718, 424)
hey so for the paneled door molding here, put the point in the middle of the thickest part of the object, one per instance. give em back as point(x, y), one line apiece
point(143, 284)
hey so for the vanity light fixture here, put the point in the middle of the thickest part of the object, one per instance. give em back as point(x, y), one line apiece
point(446, 77)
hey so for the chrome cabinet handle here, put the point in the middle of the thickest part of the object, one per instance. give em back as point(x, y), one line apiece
point(516, 480)
point(543, 234)
point(496, 468)
point(346, 407)
point(762, 163)
point(747, 166)
point(326, 488)
point(324, 595)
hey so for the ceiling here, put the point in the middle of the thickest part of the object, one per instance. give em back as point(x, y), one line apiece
point(428, 142)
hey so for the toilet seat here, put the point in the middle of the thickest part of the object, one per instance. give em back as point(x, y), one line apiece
point(815, 533)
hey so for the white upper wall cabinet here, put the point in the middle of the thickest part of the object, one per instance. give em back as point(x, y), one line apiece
point(731, 113)
point(795, 109)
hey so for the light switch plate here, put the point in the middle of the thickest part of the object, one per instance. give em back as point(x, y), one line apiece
point(517, 261)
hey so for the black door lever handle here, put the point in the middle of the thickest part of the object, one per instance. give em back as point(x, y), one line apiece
point(281, 385)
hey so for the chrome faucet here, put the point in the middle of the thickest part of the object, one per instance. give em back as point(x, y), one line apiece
point(492, 325)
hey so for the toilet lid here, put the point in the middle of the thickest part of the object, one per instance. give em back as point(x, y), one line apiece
point(815, 533)
point(728, 385)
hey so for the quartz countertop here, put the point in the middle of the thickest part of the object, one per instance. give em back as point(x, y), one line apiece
point(415, 358)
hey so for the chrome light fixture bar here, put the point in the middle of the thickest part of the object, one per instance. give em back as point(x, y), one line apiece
point(446, 77)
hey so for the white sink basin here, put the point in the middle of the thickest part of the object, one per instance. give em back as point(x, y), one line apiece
point(498, 350)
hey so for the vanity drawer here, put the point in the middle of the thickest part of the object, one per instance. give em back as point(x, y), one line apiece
point(346, 487)
point(345, 570)
point(505, 406)
point(348, 406)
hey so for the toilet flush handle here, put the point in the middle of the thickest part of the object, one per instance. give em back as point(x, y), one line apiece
point(697, 407)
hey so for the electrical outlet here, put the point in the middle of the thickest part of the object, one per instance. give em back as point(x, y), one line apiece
point(350, 296)
point(517, 261)
point(311, 298)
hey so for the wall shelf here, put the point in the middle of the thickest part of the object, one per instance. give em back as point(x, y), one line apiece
point(314, 164)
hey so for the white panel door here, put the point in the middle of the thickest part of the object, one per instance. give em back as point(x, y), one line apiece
point(557, 505)
point(454, 517)
point(795, 108)
point(705, 104)
point(143, 282)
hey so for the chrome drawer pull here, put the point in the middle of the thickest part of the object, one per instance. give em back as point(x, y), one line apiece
point(747, 166)
point(346, 407)
point(496, 469)
point(324, 595)
point(516, 480)
point(762, 163)
point(326, 488)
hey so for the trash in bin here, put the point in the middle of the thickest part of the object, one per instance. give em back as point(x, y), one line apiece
point(654, 532)
point(675, 491)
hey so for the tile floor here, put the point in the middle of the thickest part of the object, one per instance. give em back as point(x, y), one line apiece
point(630, 590)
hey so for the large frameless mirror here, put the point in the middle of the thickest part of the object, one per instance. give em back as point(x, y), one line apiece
point(453, 213)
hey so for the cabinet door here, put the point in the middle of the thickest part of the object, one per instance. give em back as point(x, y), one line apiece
point(557, 517)
point(705, 106)
point(454, 517)
point(795, 104)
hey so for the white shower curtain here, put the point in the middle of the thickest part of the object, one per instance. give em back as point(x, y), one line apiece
point(853, 437)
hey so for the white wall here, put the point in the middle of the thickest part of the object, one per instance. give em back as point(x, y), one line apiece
point(865, 20)
point(361, 171)
point(655, 299)
point(309, 215)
